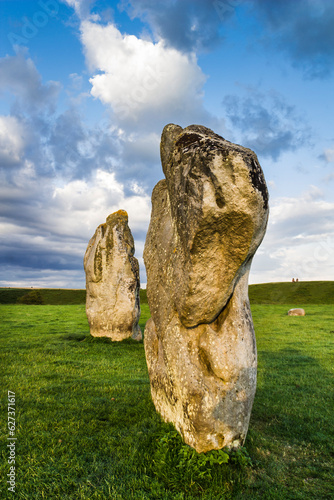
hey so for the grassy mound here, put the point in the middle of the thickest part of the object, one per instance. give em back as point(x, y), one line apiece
point(48, 296)
point(294, 294)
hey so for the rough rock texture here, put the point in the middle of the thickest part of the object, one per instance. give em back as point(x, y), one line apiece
point(296, 312)
point(112, 281)
point(208, 218)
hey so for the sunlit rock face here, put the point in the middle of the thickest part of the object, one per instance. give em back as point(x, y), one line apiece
point(112, 281)
point(208, 218)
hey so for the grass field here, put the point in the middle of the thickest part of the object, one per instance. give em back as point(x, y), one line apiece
point(50, 296)
point(86, 427)
point(295, 294)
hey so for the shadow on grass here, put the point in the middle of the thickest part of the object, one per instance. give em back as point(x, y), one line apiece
point(290, 398)
point(100, 340)
point(290, 436)
point(75, 336)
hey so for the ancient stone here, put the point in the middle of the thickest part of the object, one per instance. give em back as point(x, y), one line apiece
point(208, 218)
point(296, 312)
point(112, 281)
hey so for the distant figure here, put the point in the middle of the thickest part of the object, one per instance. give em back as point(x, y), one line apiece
point(293, 280)
point(297, 280)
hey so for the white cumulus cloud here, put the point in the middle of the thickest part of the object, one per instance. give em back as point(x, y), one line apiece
point(299, 242)
point(136, 76)
point(88, 203)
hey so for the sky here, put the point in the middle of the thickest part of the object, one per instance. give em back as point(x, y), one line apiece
point(87, 86)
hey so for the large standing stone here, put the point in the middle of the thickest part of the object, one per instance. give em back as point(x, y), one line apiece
point(208, 218)
point(112, 281)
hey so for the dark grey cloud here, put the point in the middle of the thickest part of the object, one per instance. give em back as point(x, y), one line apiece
point(77, 150)
point(187, 25)
point(35, 236)
point(266, 123)
point(11, 275)
point(303, 29)
point(39, 257)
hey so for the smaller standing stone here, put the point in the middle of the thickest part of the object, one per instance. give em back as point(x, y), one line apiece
point(296, 312)
point(112, 281)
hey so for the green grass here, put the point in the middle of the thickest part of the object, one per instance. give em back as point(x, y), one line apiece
point(87, 428)
point(50, 296)
point(143, 296)
point(294, 294)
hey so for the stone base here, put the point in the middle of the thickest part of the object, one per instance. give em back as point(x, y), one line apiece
point(204, 381)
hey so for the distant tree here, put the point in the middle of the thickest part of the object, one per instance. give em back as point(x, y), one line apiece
point(34, 297)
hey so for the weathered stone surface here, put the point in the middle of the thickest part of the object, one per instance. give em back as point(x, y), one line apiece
point(296, 312)
point(112, 281)
point(208, 218)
